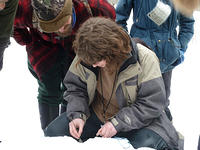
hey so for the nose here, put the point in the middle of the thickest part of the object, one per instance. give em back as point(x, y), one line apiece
point(94, 65)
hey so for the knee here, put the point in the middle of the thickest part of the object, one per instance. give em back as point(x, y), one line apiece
point(148, 138)
point(49, 132)
point(58, 127)
point(53, 132)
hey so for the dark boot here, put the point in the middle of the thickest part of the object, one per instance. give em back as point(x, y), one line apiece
point(47, 114)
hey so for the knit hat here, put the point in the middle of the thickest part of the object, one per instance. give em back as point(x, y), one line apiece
point(52, 14)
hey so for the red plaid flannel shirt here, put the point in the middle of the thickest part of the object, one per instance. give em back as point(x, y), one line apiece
point(44, 49)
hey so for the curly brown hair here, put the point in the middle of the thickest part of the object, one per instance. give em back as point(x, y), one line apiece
point(99, 39)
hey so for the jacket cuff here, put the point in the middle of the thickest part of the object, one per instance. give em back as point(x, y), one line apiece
point(115, 123)
point(78, 115)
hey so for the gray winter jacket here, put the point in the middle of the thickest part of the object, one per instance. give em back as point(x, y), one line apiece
point(140, 95)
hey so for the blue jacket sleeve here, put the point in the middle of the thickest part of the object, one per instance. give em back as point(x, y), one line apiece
point(186, 31)
point(123, 10)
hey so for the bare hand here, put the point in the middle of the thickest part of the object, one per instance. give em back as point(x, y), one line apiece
point(2, 4)
point(107, 130)
point(76, 127)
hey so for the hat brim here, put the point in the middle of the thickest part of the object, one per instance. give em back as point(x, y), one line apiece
point(55, 24)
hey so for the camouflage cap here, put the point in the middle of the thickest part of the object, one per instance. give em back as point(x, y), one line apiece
point(52, 14)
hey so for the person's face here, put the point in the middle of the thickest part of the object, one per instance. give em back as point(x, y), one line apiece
point(2, 4)
point(186, 6)
point(101, 64)
point(66, 29)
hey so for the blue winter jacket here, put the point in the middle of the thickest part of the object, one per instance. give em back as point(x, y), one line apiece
point(168, 44)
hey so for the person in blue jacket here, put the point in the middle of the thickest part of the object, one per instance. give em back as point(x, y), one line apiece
point(155, 22)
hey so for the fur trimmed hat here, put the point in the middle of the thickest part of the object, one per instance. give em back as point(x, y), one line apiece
point(52, 14)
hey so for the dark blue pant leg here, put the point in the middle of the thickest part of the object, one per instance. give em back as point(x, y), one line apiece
point(93, 124)
point(145, 138)
point(58, 127)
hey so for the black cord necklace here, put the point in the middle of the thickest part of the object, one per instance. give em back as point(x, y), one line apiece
point(102, 98)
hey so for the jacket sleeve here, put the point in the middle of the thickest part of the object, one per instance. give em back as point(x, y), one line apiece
point(186, 31)
point(22, 36)
point(22, 21)
point(76, 97)
point(7, 16)
point(149, 103)
point(123, 10)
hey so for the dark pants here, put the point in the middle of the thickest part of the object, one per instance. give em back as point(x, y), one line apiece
point(167, 81)
point(198, 148)
point(51, 89)
point(3, 46)
point(137, 138)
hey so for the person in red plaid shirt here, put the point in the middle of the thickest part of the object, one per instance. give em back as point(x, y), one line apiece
point(47, 28)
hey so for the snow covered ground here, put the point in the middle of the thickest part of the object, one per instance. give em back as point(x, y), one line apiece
point(19, 117)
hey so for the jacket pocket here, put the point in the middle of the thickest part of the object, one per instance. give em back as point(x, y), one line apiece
point(167, 49)
point(130, 88)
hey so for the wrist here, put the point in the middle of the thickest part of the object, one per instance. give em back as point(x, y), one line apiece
point(78, 115)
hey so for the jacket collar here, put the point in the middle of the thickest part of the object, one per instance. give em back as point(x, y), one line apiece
point(95, 70)
point(133, 57)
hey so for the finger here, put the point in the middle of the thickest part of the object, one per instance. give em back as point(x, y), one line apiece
point(103, 132)
point(80, 131)
point(98, 133)
point(73, 132)
point(106, 134)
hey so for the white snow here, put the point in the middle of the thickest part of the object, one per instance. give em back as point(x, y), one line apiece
point(19, 117)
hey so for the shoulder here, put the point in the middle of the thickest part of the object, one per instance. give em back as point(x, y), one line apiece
point(149, 63)
point(76, 68)
point(24, 8)
point(102, 8)
point(25, 4)
point(24, 14)
point(145, 54)
point(98, 8)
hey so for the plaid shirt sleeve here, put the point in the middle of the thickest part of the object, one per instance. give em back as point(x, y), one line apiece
point(22, 22)
point(98, 8)
point(102, 8)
